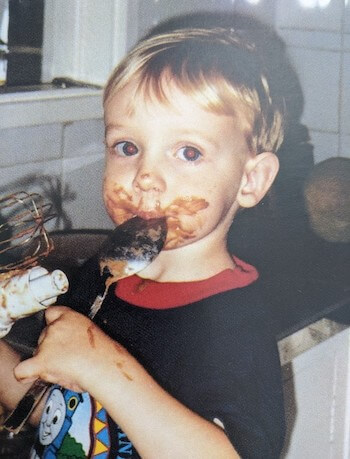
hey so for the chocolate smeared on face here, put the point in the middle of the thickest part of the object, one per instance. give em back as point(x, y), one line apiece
point(182, 220)
point(181, 214)
point(119, 205)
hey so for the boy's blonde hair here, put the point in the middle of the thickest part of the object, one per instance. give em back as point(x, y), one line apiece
point(218, 68)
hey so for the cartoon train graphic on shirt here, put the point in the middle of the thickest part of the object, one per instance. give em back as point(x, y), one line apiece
point(61, 436)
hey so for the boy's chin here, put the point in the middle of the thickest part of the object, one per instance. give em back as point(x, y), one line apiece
point(176, 243)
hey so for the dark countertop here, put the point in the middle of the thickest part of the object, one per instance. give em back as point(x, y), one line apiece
point(305, 277)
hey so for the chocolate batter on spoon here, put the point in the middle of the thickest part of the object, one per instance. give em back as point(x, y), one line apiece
point(131, 247)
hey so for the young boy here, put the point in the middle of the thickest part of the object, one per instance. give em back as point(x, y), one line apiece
point(179, 362)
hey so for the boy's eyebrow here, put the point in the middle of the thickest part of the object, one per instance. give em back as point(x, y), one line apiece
point(111, 127)
point(194, 133)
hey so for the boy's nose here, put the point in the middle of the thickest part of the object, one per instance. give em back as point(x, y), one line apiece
point(147, 180)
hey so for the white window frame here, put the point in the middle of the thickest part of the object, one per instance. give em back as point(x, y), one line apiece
point(85, 39)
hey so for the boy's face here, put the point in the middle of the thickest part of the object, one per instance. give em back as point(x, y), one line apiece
point(172, 159)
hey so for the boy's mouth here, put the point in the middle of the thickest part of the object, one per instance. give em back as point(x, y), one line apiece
point(181, 214)
point(148, 214)
point(149, 206)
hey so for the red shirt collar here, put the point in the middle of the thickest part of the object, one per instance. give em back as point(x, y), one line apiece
point(150, 294)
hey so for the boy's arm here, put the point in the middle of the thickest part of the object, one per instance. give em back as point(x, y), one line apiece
point(156, 423)
point(11, 391)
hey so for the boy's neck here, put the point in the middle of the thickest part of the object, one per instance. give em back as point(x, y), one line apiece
point(196, 261)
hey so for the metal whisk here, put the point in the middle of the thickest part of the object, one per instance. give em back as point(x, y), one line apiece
point(23, 237)
point(23, 243)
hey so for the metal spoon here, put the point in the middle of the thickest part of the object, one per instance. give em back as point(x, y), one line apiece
point(130, 248)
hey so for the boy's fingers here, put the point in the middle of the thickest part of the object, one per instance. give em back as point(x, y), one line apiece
point(27, 380)
point(53, 313)
point(27, 371)
point(40, 340)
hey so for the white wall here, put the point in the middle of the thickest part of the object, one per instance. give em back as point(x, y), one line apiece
point(52, 142)
point(319, 45)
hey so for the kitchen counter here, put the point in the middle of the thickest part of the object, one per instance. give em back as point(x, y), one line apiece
point(302, 340)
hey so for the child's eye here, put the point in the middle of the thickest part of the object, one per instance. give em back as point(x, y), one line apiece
point(126, 148)
point(189, 153)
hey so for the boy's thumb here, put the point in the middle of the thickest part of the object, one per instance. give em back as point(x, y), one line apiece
point(53, 313)
point(27, 371)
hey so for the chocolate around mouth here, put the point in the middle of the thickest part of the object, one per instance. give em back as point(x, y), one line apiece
point(149, 214)
point(122, 208)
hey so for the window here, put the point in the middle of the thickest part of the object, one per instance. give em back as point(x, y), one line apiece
point(54, 40)
point(84, 39)
point(4, 21)
point(23, 20)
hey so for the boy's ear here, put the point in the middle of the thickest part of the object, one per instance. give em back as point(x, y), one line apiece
point(259, 173)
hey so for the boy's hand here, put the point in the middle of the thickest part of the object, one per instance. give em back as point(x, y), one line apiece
point(69, 349)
